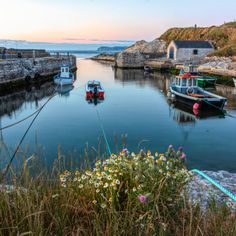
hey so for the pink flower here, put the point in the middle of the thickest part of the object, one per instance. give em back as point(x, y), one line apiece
point(125, 150)
point(183, 156)
point(142, 198)
point(170, 146)
point(181, 148)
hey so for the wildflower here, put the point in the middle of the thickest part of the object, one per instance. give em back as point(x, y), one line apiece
point(97, 190)
point(55, 195)
point(81, 186)
point(134, 189)
point(83, 177)
point(170, 146)
point(109, 177)
point(163, 158)
point(142, 198)
point(156, 154)
point(105, 185)
point(96, 185)
point(103, 205)
point(94, 202)
point(183, 156)
point(117, 182)
point(181, 148)
point(125, 150)
point(110, 199)
point(88, 173)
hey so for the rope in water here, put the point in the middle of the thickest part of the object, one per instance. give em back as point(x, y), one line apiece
point(22, 139)
point(220, 109)
point(220, 187)
point(103, 131)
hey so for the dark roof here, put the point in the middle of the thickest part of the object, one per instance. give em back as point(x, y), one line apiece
point(192, 44)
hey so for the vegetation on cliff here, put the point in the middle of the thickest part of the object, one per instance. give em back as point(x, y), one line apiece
point(223, 37)
point(126, 194)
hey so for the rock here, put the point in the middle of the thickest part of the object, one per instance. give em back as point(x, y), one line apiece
point(104, 57)
point(130, 60)
point(136, 55)
point(219, 65)
point(156, 48)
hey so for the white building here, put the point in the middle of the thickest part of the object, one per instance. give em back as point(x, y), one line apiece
point(180, 50)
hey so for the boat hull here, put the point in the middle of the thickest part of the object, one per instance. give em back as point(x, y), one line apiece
point(203, 103)
point(63, 81)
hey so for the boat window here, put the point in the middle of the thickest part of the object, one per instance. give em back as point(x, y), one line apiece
point(194, 82)
point(195, 52)
point(189, 82)
point(62, 69)
point(67, 70)
point(184, 82)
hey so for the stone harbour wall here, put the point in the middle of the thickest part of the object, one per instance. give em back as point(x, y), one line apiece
point(21, 69)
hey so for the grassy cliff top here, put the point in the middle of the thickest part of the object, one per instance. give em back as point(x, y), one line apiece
point(223, 37)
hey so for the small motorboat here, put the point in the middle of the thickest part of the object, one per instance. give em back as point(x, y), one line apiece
point(148, 69)
point(234, 82)
point(184, 90)
point(65, 77)
point(94, 89)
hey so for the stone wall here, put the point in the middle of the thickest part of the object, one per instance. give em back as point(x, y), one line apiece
point(185, 54)
point(19, 69)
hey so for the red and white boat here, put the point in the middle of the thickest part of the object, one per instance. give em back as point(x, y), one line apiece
point(94, 89)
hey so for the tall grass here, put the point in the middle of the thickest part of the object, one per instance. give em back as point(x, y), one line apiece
point(56, 204)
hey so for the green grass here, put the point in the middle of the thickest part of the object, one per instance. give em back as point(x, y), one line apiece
point(68, 203)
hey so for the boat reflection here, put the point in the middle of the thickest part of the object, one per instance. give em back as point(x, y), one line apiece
point(64, 90)
point(182, 114)
point(94, 100)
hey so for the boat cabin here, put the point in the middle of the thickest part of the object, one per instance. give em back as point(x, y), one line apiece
point(65, 72)
point(184, 82)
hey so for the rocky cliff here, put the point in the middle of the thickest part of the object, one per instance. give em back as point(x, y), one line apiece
point(223, 37)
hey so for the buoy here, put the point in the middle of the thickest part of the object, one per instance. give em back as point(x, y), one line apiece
point(196, 106)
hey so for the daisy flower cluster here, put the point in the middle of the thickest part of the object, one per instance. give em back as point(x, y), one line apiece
point(127, 175)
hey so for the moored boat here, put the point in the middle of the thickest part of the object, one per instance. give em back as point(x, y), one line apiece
point(184, 90)
point(148, 69)
point(65, 77)
point(206, 81)
point(94, 89)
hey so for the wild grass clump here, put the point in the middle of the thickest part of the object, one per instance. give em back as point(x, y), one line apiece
point(126, 194)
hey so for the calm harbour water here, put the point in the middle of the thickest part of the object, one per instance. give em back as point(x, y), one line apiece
point(135, 105)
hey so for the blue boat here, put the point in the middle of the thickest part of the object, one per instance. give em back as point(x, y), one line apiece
point(184, 90)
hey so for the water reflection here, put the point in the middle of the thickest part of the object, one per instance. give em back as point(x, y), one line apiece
point(95, 100)
point(14, 102)
point(135, 104)
point(64, 90)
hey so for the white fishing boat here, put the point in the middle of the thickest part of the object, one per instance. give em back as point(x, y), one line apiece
point(65, 77)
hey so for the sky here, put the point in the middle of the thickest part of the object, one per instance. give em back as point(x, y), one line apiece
point(106, 21)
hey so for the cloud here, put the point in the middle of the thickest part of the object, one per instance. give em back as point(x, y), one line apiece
point(101, 40)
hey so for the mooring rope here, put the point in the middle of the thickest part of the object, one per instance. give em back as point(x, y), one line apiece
point(103, 131)
point(219, 186)
point(22, 139)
